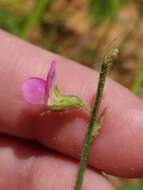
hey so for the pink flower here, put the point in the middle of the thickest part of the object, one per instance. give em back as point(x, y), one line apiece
point(36, 90)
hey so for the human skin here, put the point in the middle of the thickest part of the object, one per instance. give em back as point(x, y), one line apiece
point(117, 150)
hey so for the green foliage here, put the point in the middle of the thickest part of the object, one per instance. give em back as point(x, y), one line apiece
point(9, 21)
point(34, 16)
point(104, 9)
point(131, 187)
point(22, 25)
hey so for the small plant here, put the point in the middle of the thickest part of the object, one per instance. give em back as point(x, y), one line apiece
point(38, 92)
point(94, 123)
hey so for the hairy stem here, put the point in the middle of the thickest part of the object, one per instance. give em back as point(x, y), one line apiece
point(34, 17)
point(92, 131)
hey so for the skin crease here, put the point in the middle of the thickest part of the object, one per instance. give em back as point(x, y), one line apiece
point(118, 149)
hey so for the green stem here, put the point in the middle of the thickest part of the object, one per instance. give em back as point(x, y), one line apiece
point(34, 17)
point(93, 123)
point(138, 82)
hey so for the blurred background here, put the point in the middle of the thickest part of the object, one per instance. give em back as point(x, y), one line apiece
point(82, 30)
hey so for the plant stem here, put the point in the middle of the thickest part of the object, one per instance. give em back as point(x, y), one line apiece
point(138, 82)
point(34, 17)
point(93, 127)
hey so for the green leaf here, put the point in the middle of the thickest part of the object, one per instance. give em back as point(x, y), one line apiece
point(61, 102)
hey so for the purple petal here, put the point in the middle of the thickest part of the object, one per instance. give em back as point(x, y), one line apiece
point(34, 91)
point(50, 78)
